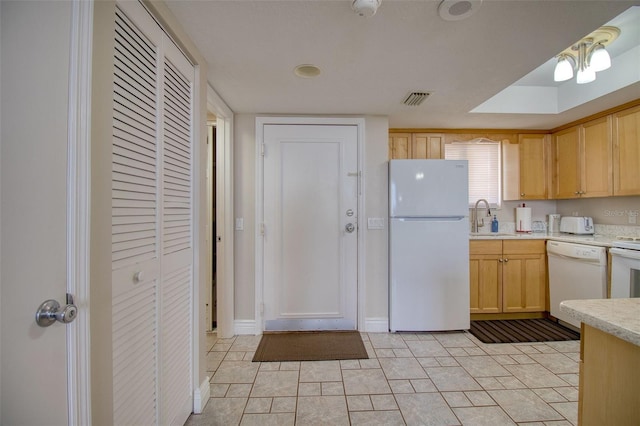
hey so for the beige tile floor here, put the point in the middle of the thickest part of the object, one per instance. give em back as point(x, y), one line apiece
point(413, 379)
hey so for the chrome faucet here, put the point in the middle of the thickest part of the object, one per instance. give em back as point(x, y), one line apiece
point(475, 224)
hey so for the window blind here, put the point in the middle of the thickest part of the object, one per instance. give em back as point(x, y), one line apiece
point(484, 168)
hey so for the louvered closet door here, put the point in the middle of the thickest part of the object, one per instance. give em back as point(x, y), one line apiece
point(177, 249)
point(151, 226)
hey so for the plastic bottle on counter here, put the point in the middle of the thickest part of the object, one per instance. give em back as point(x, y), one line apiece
point(494, 224)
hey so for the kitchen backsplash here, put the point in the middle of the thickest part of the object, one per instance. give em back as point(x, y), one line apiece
point(622, 211)
point(611, 216)
point(506, 214)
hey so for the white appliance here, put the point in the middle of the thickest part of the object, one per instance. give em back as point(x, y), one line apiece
point(625, 268)
point(428, 245)
point(554, 223)
point(576, 224)
point(576, 271)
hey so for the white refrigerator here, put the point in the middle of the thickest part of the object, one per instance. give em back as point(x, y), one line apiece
point(428, 245)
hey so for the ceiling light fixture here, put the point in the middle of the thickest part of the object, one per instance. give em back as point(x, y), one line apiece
point(306, 71)
point(456, 10)
point(366, 8)
point(588, 56)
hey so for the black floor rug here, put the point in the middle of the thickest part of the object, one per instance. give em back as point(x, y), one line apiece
point(310, 346)
point(525, 330)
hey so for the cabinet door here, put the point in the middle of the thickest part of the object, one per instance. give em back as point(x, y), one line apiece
point(485, 274)
point(533, 169)
point(523, 283)
point(427, 145)
point(626, 164)
point(399, 146)
point(596, 159)
point(566, 173)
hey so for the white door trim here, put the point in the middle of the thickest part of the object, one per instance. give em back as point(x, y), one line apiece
point(259, 246)
point(78, 211)
point(224, 198)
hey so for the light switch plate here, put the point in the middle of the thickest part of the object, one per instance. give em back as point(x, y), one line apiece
point(375, 223)
point(239, 224)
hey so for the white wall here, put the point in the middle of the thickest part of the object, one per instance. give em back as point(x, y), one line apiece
point(375, 193)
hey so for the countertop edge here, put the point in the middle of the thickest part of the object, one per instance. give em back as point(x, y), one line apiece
point(597, 240)
point(607, 315)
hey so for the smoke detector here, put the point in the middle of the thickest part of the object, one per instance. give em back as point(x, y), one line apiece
point(366, 8)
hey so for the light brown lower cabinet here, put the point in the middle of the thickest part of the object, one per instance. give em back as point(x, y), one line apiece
point(609, 392)
point(507, 276)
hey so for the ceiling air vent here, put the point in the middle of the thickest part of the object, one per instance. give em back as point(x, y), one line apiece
point(416, 98)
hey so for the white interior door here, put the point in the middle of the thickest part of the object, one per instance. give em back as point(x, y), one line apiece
point(35, 81)
point(310, 227)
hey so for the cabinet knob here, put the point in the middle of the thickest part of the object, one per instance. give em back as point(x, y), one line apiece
point(577, 193)
point(506, 260)
point(522, 194)
point(500, 260)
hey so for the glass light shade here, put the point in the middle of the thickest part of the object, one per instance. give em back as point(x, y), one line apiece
point(600, 59)
point(563, 71)
point(586, 75)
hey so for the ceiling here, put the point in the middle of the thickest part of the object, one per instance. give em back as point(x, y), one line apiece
point(370, 65)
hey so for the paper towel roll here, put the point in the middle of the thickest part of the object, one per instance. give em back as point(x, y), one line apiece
point(523, 219)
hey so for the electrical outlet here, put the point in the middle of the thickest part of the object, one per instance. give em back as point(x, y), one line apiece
point(375, 223)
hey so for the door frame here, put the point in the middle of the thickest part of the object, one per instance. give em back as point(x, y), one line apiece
point(259, 203)
point(79, 211)
point(224, 213)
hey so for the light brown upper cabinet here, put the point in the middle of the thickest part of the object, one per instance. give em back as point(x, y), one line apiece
point(582, 160)
point(416, 145)
point(626, 152)
point(525, 170)
point(427, 145)
point(399, 146)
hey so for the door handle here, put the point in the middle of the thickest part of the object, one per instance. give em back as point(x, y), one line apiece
point(50, 311)
point(349, 228)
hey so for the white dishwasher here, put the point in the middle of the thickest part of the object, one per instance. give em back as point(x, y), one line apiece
point(576, 271)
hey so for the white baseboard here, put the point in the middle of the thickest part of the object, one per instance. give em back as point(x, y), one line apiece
point(371, 325)
point(201, 396)
point(376, 325)
point(244, 327)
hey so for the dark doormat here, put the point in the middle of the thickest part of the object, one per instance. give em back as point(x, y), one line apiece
point(310, 346)
point(516, 331)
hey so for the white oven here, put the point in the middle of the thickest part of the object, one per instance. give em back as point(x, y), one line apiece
point(625, 268)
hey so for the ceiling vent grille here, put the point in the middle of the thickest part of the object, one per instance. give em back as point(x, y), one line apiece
point(416, 98)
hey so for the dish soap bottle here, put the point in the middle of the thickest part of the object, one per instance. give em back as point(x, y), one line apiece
point(494, 224)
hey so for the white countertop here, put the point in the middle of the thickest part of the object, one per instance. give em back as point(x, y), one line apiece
point(619, 317)
point(594, 240)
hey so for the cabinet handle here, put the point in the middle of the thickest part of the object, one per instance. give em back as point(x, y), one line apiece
point(577, 193)
point(506, 260)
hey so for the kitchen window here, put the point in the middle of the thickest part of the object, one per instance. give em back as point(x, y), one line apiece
point(484, 168)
